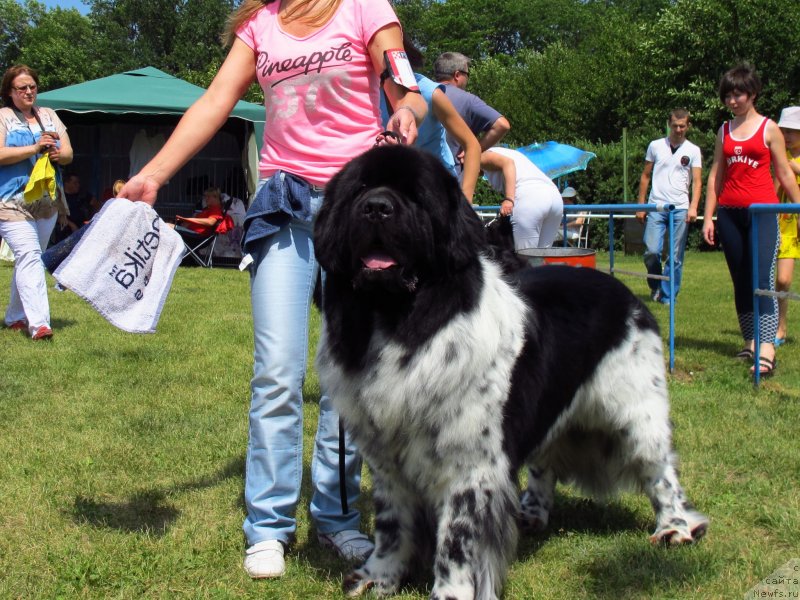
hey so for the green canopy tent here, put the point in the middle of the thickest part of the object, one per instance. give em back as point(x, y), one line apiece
point(116, 123)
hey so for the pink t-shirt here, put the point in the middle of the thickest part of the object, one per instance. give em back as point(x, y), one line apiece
point(321, 91)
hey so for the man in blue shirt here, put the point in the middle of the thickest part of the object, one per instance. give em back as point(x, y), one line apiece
point(488, 125)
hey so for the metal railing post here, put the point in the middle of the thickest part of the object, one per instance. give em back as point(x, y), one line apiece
point(671, 265)
point(756, 311)
point(611, 243)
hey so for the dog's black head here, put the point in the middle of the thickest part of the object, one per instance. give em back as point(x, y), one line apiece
point(392, 218)
point(400, 246)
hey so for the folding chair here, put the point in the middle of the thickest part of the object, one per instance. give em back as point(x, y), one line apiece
point(196, 242)
point(583, 235)
point(578, 238)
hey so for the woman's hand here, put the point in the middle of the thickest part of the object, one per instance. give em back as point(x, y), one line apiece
point(46, 143)
point(55, 154)
point(141, 187)
point(403, 123)
point(387, 138)
point(507, 207)
point(708, 231)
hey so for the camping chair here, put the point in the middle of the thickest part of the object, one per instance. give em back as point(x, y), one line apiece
point(196, 242)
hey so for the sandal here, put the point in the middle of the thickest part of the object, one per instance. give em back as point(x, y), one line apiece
point(779, 342)
point(766, 367)
point(745, 354)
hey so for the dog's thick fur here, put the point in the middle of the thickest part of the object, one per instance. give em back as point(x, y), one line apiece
point(450, 378)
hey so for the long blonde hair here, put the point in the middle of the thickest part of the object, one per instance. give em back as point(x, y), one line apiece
point(311, 12)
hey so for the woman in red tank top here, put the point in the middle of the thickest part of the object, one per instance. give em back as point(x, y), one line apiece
point(746, 147)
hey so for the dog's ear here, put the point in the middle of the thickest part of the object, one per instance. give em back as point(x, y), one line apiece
point(329, 226)
point(466, 237)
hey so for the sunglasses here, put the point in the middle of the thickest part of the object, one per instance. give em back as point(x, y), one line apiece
point(24, 88)
point(463, 72)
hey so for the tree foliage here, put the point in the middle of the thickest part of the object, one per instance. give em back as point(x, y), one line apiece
point(13, 22)
point(58, 44)
point(178, 36)
point(690, 45)
point(576, 71)
point(586, 68)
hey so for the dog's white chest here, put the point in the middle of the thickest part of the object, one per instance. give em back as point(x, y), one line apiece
point(432, 405)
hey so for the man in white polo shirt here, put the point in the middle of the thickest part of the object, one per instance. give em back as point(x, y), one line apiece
point(673, 164)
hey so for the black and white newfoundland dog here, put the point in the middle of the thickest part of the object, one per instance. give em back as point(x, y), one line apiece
point(451, 376)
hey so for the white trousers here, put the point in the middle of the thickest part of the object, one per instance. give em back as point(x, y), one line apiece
point(28, 300)
point(537, 214)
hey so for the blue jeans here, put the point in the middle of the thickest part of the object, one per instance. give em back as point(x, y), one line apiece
point(654, 233)
point(283, 276)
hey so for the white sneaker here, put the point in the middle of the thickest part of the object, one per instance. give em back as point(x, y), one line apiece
point(350, 544)
point(265, 559)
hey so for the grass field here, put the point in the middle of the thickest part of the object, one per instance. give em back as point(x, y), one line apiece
point(122, 460)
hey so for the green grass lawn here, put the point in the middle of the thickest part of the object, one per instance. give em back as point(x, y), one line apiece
point(122, 460)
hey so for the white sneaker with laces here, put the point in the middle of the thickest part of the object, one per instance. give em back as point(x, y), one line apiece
point(350, 544)
point(265, 559)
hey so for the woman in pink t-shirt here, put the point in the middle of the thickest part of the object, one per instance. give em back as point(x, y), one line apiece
point(319, 64)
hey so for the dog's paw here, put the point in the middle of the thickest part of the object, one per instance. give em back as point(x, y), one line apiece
point(450, 591)
point(533, 516)
point(360, 581)
point(699, 529)
point(679, 531)
point(532, 523)
point(357, 583)
point(671, 536)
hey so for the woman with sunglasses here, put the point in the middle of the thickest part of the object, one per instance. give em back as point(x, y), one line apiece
point(26, 133)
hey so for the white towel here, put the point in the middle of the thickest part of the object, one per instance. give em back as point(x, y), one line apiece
point(124, 264)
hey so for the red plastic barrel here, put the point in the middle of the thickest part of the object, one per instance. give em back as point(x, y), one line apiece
point(576, 257)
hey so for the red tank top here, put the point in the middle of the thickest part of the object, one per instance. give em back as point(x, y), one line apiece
point(747, 169)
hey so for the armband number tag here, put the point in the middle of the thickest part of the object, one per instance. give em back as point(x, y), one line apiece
point(400, 69)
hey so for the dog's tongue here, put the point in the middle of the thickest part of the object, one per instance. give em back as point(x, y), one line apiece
point(378, 261)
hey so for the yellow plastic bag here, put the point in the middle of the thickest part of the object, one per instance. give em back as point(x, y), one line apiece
point(41, 181)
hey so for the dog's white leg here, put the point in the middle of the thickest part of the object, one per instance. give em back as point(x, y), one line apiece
point(537, 500)
point(476, 538)
point(638, 413)
point(677, 521)
point(387, 565)
point(646, 436)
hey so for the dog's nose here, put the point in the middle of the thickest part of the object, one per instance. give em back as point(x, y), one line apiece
point(378, 208)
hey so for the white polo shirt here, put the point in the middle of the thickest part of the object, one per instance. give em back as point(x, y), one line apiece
point(672, 172)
